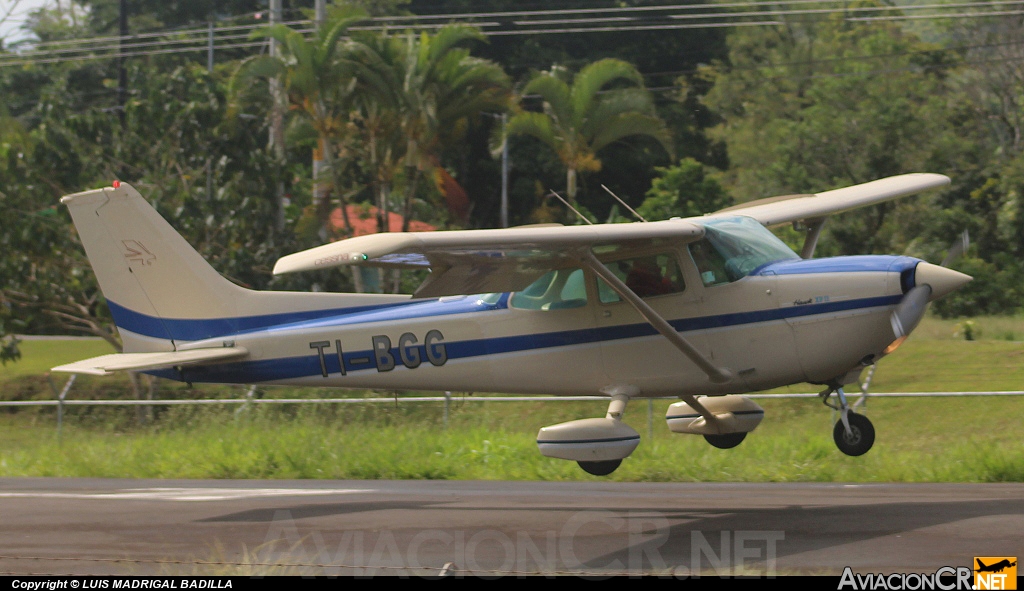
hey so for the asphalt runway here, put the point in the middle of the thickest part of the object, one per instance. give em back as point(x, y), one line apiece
point(366, 528)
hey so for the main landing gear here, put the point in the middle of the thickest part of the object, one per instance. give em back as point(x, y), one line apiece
point(853, 433)
point(597, 445)
point(726, 441)
point(599, 468)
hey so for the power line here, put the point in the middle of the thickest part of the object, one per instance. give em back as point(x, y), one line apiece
point(199, 32)
point(194, 40)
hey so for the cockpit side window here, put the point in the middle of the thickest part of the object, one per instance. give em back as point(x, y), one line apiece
point(555, 290)
point(647, 276)
point(710, 263)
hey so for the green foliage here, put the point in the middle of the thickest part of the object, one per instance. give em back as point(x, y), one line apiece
point(803, 111)
point(9, 350)
point(206, 173)
point(415, 97)
point(411, 442)
point(996, 289)
point(816, 103)
point(604, 103)
point(687, 189)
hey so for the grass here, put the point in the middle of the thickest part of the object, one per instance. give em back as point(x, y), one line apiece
point(37, 357)
point(947, 440)
point(933, 439)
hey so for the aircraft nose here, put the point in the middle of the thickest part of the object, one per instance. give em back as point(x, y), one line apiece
point(941, 279)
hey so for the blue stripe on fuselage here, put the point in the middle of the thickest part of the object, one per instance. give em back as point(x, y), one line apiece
point(196, 329)
point(309, 365)
point(199, 329)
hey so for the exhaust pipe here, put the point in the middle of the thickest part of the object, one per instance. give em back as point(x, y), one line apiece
point(910, 311)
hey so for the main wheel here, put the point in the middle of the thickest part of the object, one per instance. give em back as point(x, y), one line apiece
point(727, 441)
point(600, 468)
point(860, 438)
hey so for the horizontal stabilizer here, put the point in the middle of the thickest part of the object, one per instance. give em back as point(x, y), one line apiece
point(107, 364)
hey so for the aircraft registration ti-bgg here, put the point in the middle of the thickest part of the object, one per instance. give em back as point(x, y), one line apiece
point(705, 309)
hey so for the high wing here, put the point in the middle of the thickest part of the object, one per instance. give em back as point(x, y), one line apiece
point(774, 211)
point(811, 211)
point(107, 364)
point(479, 261)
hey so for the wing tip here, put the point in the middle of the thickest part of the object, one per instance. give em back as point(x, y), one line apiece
point(303, 261)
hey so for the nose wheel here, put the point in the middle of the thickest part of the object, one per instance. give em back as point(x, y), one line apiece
point(856, 437)
point(853, 433)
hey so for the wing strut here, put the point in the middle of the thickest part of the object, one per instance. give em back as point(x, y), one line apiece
point(811, 240)
point(715, 374)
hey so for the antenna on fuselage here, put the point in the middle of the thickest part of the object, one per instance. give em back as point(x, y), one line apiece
point(574, 210)
point(631, 210)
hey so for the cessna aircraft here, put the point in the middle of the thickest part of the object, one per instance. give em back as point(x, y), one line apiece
point(705, 308)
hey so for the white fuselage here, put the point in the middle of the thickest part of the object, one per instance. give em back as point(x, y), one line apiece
point(793, 321)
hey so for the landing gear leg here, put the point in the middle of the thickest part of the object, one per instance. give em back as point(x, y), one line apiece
point(853, 433)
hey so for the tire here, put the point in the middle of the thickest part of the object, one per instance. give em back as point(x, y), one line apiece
point(860, 439)
point(600, 468)
point(727, 441)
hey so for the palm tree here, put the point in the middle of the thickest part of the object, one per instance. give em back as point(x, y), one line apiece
point(580, 119)
point(317, 81)
point(419, 94)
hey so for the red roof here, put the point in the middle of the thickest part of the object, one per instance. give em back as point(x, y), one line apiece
point(364, 221)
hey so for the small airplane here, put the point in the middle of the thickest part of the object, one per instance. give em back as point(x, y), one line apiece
point(705, 308)
point(996, 567)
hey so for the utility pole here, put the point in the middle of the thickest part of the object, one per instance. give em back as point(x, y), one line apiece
point(277, 117)
point(504, 171)
point(209, 47)
point(122, 73)
point(320, 155)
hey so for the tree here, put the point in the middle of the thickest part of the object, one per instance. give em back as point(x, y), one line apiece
point(417, 94)
point(685, 190)
point(317, 82)
point(595, 110)
point(817, 104)
point(174, 123)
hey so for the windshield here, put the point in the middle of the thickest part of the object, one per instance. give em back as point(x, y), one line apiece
point(733, 247)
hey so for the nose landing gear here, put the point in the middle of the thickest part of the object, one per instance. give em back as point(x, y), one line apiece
point(853, 433)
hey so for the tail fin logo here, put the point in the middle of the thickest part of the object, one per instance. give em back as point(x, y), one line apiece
point(136, 252)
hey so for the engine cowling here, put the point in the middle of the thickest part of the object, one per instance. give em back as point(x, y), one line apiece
point(734, 414)
point(588, 440)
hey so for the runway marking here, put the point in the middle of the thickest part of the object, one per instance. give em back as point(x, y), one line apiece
point(190, 494)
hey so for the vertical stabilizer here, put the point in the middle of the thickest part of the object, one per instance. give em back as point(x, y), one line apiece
point(149, 274)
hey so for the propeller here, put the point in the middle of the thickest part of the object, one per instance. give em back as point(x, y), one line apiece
point(957, 249)
point(931, 282)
